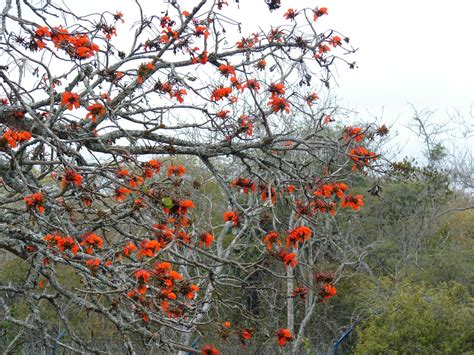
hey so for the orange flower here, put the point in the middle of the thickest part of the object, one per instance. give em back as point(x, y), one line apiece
point(209, 350)
point(67, 243)
point(227, 325)
point(276, 89)
point(353, 133)
point(176, 170)
point(284, 335)
point(335, 41)
point(201, 31)
point(119, 16)
point(149, 248)
point(361, 157)
point(310, 98)
point(219, 93)
point(83, 46)
point(252, 84)
point(143, 71)
point(279, 104)
point(327, 291)
point(290, 14)
point(42, 32)
point(129, 248)
point(206, 240)
point(136, 181)
point(35, 200)
point(245, 334)
point(92, 240)
point(288, 258)
point(95, 110)
point(261, 64)
point(69, 176)
point(235, 83)
point(142, 275)
point(13, 137)
point(300, 291)
point(270, 239)
point(120, 193)
point(93, 263)
point(222, 114)
point(317, 13)
point(244, 184)
point(233, 217)
point(227, 69)
point(353, 201)
point(70, 100)
point(299, 234)
point(246, 125)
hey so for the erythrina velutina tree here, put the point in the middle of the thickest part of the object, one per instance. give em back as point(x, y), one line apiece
point(169, 182)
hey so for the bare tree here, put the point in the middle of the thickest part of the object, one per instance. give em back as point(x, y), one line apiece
point(153, 191)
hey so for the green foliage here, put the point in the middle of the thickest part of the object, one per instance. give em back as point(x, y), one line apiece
point(414, 319)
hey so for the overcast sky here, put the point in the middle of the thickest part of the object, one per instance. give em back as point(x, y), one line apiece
point(416, 52)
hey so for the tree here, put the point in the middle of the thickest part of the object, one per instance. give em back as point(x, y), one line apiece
point(157, 182)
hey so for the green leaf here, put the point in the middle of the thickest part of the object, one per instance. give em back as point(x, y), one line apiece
point(167, 202)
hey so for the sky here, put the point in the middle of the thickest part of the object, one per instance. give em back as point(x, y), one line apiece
point(410, 53)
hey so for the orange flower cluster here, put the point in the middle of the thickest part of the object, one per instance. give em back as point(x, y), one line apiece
point(277, 102)
point(244, 184)
point(327, 291)
point(298, 235)
point(284, 335)
point(233, 217)
point(151, 167)
point(205, 240)
point(300, 291)
point(167, 87)
point(226, 70)
point(35, 201)
point(92, 241)
point(77, 46)
point(310, 98)
point(252, 84)
point(354, 133)
point(221, 92)
point(261, 64)
point(353, 201)
point(176, 170)
point(62, 243)
point(209, 350)
point(327, 190)
point(168, 34)
point(201, 31)
point(129, 248)
point(16, 137)
point(361, 158)
point(121, 193)
point(180, 208)
point(143, 71)
point(270, 239)
point(290, 14)
point(71, 176)
point(170, 285)
point(266, 192)
point(317, 13)
point(335, 41)
point(289, 259)
point(70, 100)
point(95, 110)
point(246, 125)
